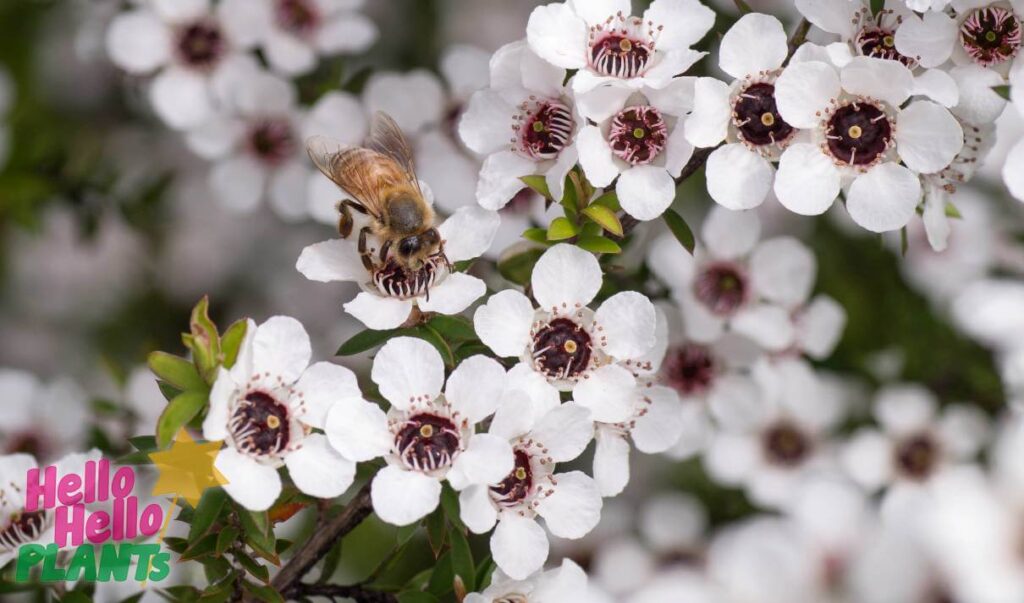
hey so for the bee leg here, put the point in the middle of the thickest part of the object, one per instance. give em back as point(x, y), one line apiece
point(384, 251)
point(345, 221)
point(364, 253)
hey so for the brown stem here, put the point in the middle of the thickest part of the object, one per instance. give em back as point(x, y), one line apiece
point(326, 534)
point(798, 37)
point(335, 591)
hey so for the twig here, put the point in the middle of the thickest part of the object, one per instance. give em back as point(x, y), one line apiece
point(322, 540)
point(798, 37)
point(336, 591)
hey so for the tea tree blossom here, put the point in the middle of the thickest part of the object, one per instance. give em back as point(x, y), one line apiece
point(44, 419)
point(565, 584)
point(389, 295)
point(428, 436)
point(265, 408)
point(524, 123)
point(979, 32)
point(615, 53)
point(740, 173)
point(192, 49)
point(573, 347)
point(569, 502)
point(294, 34)
point(864, 141)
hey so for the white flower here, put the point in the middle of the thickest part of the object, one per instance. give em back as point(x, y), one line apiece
point(295, 33)
point(389, 293)
point(915, 441)
point(986, 33)
point(771, 438)
point(740, 173)
point(641, 142)
point(428, 435)
point(525, 123)
point(44, 419)
point(573, 347)
point(193, 48)
point(257, 146)
point(755, 289)
point(540, 435)
point(265, 408)
point(860, 136)
point(565, 584)
point(614, 52)
point(18, 527)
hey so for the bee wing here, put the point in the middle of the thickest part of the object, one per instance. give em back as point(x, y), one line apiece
point(348, 167)
point(387, 139)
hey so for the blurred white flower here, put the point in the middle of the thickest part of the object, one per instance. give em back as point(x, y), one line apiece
point(44, 419)
point(428, 436)
point(565, 584)
point(294, 34)
point(265, 408)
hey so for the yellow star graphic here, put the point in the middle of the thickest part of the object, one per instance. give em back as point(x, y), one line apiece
point(186, 468)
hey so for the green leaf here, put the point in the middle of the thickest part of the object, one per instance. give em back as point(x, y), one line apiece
point(134, 458)
point(517, 266)
point(609, 200)
point(537, 235)
point(743, 7)
point(416, 596)
point(143, 443)
point(169, 391)
point(454, 328)
point(263, 593)
point(179, 411)
point(176, 370)
point(1003, 91)
point(952, 211)
point(258, 533)
point(231, 342)
point(366, 340)
point(605, 217)
point(428, 334)
point(599, 245)
point(226, 538)
point(436, 531)
point(877, 6)
point(538, 184)
point(441, 580)
point(680, 229)
point(209, 508)
point(450, 504)
point(205, 342)
point(75, 597)
point(331, 562)
point(462, 559)
point(178, 545)
point(252, 566)
point(561, 228)
point(484, 570)
point(201, 547)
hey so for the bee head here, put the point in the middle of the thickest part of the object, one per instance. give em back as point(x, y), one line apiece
point(413, 249)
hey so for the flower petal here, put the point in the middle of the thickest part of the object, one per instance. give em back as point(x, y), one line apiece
point(487, 460)
point(930, 38)
point(565, 277)
point(415, 99)
point(476, 509)
point(484, 125)
point(503, 323)
point(833, 17)
point(626, 323)
point(645, 191)
point(500, 178)
point(252, 485)
point(573, 509)
point(979, 103)
point(729, 235)
point(905, 408)
point(215, 425)
point(782, 270)
point(281, 348)
point(320, 386)
point(408, 369)
point(475, 387)
point(684, 22)
point(519, 546)
point(596, 156)
point(595, 101)
point(737, 177)
point(608, 393)
point(937, 85)
point(138, 42)
point(403, 497)
point(378, 312)
point(454, 294)
point(807, 182)
point(468, 232)
point(564, 432)
point(768, 325)
point(346, 33)
point(885, 198)
point(358, 429)
point(318, 470)
point(803, 91)
point(331, 260)
point(755, 44)
point(660, 427)
point(558, 36)
point(611, 462)
point(181, 98)
point(886, 80)
point(819, 326)
point(928, 137)
point(238, 183)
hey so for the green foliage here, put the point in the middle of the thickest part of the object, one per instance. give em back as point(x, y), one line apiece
point(680, 229)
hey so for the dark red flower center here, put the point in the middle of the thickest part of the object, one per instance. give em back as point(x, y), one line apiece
point(880, 43)
point(858, 133)
point(785, 444)
point(300, 17)
point(690, 369)
point(637, 134)
point(518, 484)
point(426, 442)
point(22, 528)
point(260, 425)
point(991, 35)
point(200, 44)
point(722, 287)
point(917, 456)
point(272, 140)
point(756, 117)
point(618, 55)
point(562, 349)
point(546, 130)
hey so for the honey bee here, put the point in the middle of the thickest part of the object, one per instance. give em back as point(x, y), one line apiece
point(382, 182)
